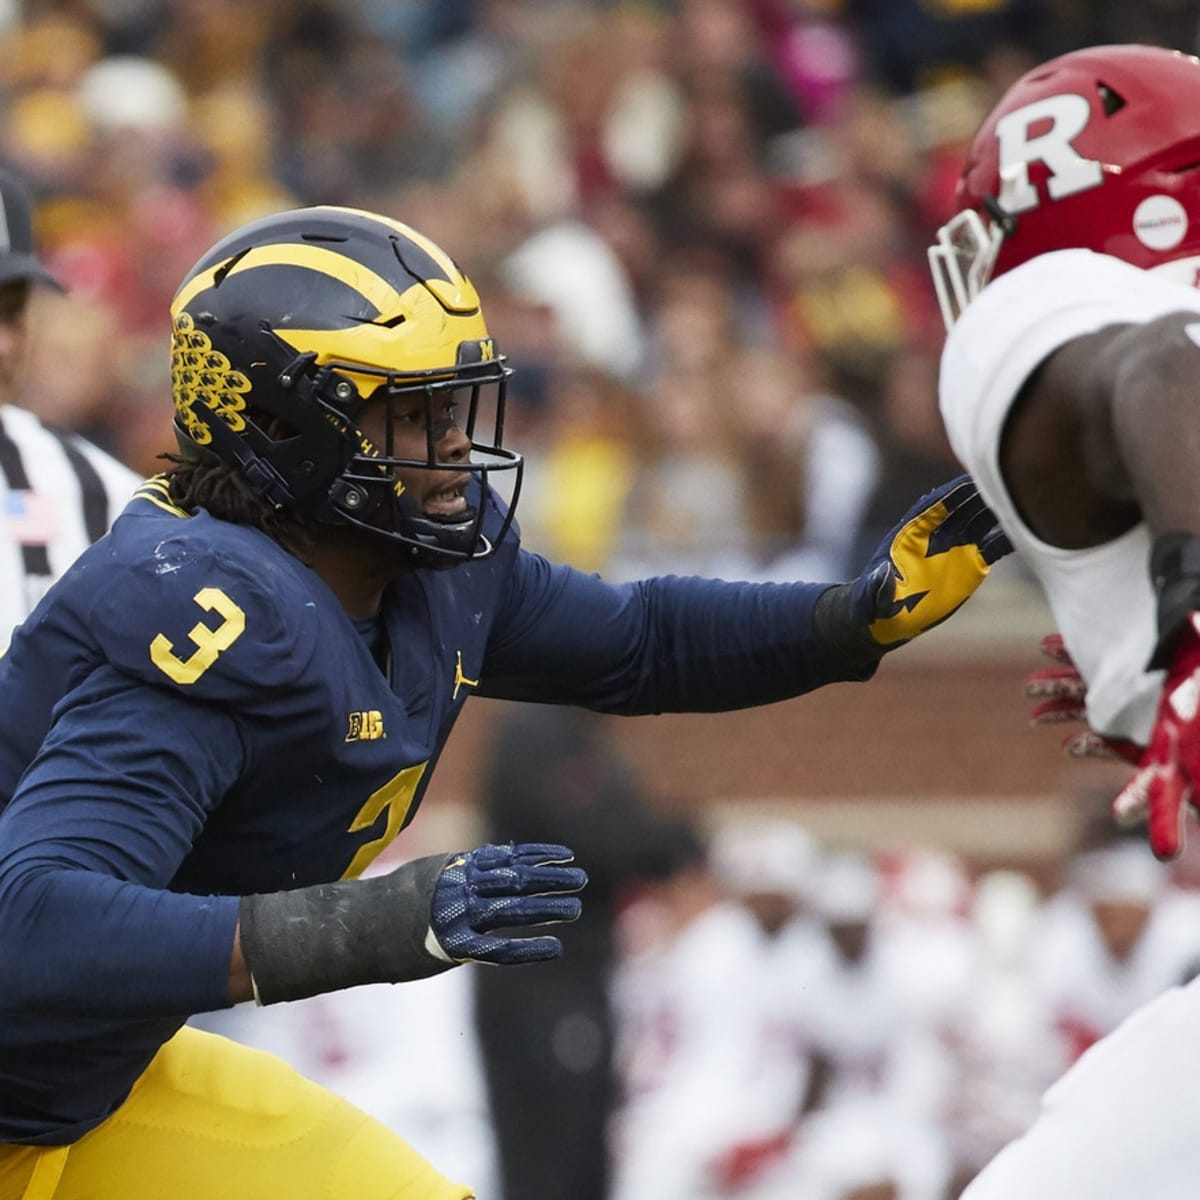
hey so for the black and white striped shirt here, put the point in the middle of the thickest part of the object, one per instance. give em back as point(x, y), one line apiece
point(58, 494)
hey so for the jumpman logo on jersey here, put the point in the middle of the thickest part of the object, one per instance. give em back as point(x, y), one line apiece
point(460, 680)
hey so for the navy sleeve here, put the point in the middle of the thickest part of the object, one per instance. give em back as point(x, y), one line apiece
point(89, 844)
point(668, 644)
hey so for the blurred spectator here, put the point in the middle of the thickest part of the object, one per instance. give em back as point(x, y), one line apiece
point(893, 972)
point(572, 271)
point(592, 447)
point(910, 43)
point(769, 867)
point(814, 51)
point(1004, 1049)
point(715, 1063)
point(1113, 937)
point(915, 454)
point(349, 121)
point(546, 1034)
point(849, 292)
point(861, 1151)
point(809, 468)
point(690, 513)
point(1173, 23)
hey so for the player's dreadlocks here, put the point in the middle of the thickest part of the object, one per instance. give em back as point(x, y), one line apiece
point(221, 491)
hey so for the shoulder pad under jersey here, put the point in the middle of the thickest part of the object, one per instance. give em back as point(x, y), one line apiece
point(216, 610)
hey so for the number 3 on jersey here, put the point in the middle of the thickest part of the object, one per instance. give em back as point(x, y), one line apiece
point(208, 642)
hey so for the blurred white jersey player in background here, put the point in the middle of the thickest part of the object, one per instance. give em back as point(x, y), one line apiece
point(892, 973)
point(714, 1056)
point(1069, 387)
point(1116, 935)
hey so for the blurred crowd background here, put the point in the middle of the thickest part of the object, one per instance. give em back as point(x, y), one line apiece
point(666, 206)
point(699, 230)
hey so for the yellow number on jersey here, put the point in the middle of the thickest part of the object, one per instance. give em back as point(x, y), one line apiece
point(396, 796)
point(209, 642)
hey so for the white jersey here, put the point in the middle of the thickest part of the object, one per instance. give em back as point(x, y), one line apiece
point(58, 494)
point(713, 1054)
point(1102, 597)
point(1086, 992)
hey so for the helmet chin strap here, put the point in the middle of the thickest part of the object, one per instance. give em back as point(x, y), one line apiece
point(1006, 221)
point(424, 540)
point(443, 540)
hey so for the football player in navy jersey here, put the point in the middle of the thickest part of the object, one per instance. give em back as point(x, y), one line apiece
point(233, 703)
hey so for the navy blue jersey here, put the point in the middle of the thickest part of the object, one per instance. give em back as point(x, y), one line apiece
point(190, 716)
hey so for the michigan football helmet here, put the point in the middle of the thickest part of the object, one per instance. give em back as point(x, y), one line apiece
point(1098, 149)
point(286, 329)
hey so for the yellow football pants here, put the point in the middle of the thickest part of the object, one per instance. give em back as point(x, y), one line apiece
point(212, 1119)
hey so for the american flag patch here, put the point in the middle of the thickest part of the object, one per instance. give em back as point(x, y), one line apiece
point(30, 518)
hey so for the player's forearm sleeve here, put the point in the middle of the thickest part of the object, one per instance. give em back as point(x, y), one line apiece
point(74, 941)
point(670, 644)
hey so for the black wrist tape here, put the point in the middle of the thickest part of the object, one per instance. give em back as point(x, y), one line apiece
point(337, 935)
point(1175, 572)
point(840, 629)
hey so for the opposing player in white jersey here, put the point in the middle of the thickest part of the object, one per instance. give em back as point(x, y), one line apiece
point(1069, 386)
point(58, 493)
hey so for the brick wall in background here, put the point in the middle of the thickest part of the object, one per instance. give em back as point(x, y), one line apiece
point(936, 749)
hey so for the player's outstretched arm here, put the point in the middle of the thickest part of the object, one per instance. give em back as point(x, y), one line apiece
point(420, 919)
point(920, 574)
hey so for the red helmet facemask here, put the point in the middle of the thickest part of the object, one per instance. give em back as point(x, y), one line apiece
point(1098, 149)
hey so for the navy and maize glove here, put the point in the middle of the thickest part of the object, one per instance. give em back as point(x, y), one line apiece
point(920, 574)
point(423, 918)
point(503, 887)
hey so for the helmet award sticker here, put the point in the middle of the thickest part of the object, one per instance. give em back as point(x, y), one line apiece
point(1160, 222)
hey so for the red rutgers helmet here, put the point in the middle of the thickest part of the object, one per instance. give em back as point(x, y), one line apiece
point(1097, 149)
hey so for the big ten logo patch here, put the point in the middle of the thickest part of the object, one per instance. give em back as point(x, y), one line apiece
point(365, 726)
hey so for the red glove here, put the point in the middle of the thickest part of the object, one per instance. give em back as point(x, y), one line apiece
point(1165, 784)
point(1060, 694)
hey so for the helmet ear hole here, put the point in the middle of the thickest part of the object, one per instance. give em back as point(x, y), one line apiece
point(1110, 100)
point(276, 428)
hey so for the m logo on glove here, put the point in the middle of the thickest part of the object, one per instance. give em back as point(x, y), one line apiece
point(932, 562)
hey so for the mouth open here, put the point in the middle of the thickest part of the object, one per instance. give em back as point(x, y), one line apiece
point(448, 503)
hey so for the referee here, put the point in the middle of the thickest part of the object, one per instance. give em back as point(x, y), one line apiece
point(58, 493)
